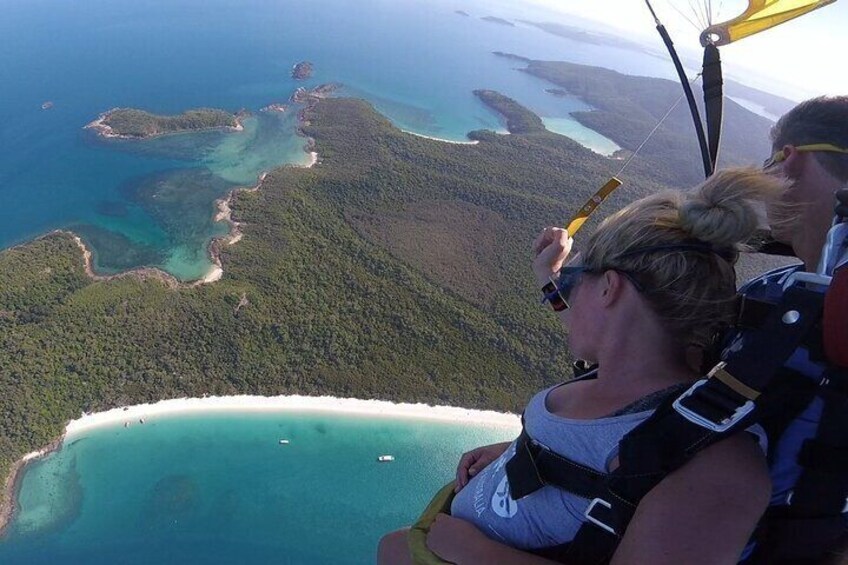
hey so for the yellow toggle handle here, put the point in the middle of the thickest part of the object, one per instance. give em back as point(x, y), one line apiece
point(580, 218)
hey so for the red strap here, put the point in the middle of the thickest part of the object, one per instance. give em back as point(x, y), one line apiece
point(836, 319)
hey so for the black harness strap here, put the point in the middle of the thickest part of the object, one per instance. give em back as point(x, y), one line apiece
point(534, 466)
point(812, 522)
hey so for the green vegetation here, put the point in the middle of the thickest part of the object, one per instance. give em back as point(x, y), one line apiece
point(397, 268)
point(628, 108)
point(138, 123)
point(518, 118)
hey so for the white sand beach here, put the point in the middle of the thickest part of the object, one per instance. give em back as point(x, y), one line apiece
point(474, 142)
point(133, 415)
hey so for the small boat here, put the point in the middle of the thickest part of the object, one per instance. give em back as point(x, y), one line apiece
point(385, 458)
point(47, 105)
point(284, 442)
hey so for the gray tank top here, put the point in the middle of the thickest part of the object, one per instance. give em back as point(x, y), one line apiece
point(550, 516)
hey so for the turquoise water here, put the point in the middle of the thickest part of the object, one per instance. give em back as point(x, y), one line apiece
point(418, 62)
point(221, 489)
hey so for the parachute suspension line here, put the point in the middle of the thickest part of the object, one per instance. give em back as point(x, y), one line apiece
point(613, 183)
point(690, 98)
point(653, 131)
point(684, 16)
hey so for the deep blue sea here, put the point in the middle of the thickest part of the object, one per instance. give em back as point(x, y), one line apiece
point(151, 203)
point(220, 489)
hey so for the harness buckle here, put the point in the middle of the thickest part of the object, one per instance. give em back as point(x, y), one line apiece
point(729, 417)
point(599, 502)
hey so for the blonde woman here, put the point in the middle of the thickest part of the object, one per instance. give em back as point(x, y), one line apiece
point(656, 280)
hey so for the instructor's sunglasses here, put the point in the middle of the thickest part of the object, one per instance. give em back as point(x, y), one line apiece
point(779, 156)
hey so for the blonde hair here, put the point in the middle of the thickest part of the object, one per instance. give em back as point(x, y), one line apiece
point(680, 248)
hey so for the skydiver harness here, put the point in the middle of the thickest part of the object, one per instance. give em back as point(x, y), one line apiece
point(752, 385)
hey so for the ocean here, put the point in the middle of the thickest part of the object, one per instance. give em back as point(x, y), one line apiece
point(221, 488)
point(151, 203)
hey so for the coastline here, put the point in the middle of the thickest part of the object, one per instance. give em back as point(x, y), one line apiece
point(223, 213)
point(141, 414)
point(470, 142)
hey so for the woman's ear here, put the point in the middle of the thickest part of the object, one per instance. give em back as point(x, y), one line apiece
point(611, 286)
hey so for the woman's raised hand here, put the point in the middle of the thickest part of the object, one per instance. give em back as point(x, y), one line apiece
point(474, 461)
point(551, 249)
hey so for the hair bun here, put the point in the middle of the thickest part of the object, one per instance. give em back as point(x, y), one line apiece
point(720, 211)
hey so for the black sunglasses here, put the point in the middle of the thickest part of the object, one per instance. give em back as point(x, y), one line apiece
point(570, 277)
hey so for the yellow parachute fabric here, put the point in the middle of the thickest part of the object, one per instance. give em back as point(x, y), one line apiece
point(759, 16)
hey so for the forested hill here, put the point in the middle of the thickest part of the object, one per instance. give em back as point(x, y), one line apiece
point(629, 107)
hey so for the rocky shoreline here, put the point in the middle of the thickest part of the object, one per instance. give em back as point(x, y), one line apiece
point(9, 502)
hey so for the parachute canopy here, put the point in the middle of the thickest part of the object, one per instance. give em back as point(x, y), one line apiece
point(760, 15)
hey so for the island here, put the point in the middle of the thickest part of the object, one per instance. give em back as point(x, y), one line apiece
point(495, 20)
point(131, 123)
point(518, 118)
point(559, 92)
point(302, 70)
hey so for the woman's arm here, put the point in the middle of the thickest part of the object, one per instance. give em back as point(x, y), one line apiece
point(703, 513)
point(474, 461)
point(460, 542)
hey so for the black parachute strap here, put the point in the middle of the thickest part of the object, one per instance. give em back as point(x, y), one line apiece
point(690, 98)
point(713, 100)
point(822, 489)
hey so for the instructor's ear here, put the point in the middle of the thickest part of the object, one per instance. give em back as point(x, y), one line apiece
point(793, 161)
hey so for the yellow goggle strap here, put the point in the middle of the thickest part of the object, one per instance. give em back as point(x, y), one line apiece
point(779, 156)
point(580, 218)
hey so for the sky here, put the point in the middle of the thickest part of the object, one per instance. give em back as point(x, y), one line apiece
point(799, 59)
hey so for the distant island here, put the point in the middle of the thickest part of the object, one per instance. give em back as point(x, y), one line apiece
point(593, 37)
point(557, 92)
point(302, 70)
point(512, 56)
point(131, 123)
point(462, 13)
point(500, 21)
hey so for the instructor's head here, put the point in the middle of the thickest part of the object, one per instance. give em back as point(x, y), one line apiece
point(810, 147)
